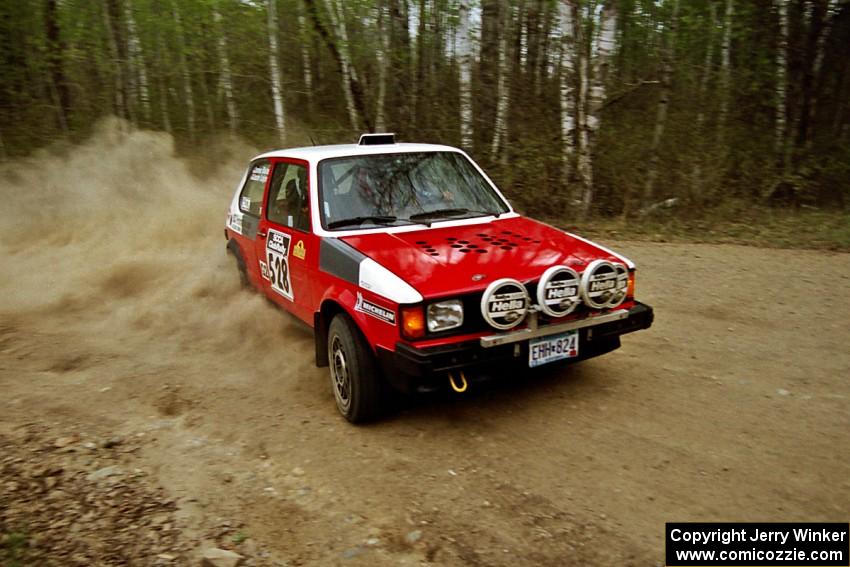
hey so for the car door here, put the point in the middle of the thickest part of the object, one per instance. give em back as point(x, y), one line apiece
point(246, 225)
point(286, 247)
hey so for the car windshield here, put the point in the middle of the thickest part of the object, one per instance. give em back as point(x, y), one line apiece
point(405, 188)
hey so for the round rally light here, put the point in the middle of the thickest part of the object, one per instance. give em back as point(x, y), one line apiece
point(558, 291)
point(604, 284)
point(505, 303)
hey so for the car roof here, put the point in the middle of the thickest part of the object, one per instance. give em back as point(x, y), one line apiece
point(317, 153)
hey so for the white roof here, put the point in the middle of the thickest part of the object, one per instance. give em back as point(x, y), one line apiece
point(316, 153)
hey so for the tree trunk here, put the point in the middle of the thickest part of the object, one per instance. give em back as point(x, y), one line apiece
point(601, 50)
point(400, 89)
point(669, 55)
point(565, 84)
point(696, 171)
point(725, 74)
point(349, 74)
point(120, 95)
point(160, 83)
point(464, 58)
point(226, 79)
point(306, 63)
point(781, 101)
point(184, 72)
point(351, 86)
point(59, 85)
point(136, 62)
point(584, 164)
point(277, 95)
point(381, 54)
point(500, 124)
point(817, 64)
point(418, 69)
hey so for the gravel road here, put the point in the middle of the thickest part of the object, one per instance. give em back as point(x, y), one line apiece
point(120, 320)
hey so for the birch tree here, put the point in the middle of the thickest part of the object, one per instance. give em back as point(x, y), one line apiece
point(277, 95)
point(306, 62)
point(696, 170)
point(381, 56)
point(137, 62)
point(663, 104)
point(160, 85)
point(725, 73)
point(349, 74)
point(57, 81)
point(500, 125)
point(584, 165)
point(119, 93)
point(781, 83)
point(592, 94)
point(565, 84)
point(184, 72)
point(225, 78)
point(823, 33)
point(464, 58)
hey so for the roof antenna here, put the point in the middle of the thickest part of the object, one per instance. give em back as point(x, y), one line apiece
point(312, 141)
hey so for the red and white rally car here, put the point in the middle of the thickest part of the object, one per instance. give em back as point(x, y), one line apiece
point(415, 272)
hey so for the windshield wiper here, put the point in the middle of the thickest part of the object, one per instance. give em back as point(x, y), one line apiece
point(376, 219)
point(450, 212)
point(439, 213)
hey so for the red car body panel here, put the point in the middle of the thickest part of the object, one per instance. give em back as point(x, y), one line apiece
point(440, 262)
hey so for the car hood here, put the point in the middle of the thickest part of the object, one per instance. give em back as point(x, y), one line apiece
point(459, 259)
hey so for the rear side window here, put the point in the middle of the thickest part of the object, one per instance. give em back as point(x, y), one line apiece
point(251, 198)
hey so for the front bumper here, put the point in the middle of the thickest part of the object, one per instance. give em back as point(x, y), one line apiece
point(415, 369)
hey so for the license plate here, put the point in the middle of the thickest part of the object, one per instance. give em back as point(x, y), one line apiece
point(552, 348)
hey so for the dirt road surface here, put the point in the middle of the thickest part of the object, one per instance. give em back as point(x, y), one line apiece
point(125, 343)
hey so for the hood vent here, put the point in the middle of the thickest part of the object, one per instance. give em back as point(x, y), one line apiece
point(481, 243)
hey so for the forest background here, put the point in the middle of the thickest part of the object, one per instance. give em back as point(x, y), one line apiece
point(703, 119)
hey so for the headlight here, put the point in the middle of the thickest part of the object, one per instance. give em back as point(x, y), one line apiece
point(445, 315)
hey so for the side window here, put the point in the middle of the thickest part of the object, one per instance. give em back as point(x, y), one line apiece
point(289, 204)
point(251, 199)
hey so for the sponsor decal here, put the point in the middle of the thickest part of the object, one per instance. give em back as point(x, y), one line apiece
point(234, 221)
point(279, 242)
point(505, 303)
point(277, 256)
point(260, 173)
point(264, 270)
point(558, 291)
point(375, 310)
point(299, 251)
point(244, 203)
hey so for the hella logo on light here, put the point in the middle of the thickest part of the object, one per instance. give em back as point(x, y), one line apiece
point(558, 291)
point(505, 303)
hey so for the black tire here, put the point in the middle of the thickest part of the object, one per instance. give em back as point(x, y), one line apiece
point(233, 250)
point(353, 373)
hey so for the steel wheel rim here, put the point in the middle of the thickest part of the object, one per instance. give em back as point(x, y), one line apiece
point(340, 375)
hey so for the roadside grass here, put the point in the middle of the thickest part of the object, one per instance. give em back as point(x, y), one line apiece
point(770, 228)
point(13, 548)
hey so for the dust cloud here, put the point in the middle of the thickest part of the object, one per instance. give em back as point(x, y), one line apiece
point(117, 240)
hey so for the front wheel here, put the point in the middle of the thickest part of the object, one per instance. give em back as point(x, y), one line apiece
point(353, 375)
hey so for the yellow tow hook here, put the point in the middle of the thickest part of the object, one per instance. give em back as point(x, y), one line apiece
point(458, 388)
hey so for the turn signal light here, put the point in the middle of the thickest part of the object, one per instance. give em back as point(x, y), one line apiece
point(413, 322)
point(630, 292)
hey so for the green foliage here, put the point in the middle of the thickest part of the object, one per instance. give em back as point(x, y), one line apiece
point(705, 157)
point(13, 548)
